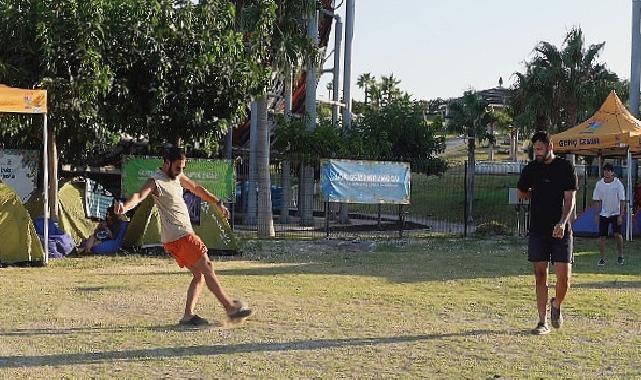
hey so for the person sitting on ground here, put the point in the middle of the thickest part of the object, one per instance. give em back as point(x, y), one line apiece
point(106, 230)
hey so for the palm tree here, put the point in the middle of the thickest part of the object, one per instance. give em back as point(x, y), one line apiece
point(562, 83)
point(330, 87)
point(389, 88)
point(501, 120)
point(470, 115)
point(365, 81)
point(286, 46)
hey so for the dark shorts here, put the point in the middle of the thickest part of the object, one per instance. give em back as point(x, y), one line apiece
point(604, 224)
point(547, 248)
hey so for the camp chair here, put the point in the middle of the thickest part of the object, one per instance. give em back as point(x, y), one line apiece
point(112, 246)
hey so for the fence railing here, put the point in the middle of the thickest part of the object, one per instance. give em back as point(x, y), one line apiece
point(437, 204)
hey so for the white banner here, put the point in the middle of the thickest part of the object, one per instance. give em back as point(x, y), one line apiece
point(19, 169)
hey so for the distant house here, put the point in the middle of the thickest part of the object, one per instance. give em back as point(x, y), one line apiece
point(496, 97)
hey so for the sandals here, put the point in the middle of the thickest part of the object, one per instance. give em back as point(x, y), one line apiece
point(194, 321)
point(240, 311)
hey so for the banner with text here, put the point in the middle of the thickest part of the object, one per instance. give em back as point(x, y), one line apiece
point(19, 169)
point(369, 182)
point(217, 176)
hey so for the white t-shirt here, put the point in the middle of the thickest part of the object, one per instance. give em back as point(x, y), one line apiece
point(610, 194)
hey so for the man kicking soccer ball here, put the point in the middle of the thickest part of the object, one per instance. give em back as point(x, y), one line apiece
point(177, 235)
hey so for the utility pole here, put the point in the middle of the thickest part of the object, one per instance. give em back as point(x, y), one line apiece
point(338, 40)
point(635, 66)
point(347, 69)
point(306, 203)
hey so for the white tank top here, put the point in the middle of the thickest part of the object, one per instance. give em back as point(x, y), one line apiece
point(174, 216)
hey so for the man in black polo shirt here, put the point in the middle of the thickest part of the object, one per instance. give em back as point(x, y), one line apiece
point(550, 184)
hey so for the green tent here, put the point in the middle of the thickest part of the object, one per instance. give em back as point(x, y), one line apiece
point(20, 243)
point(214, 229)
point(71, 211)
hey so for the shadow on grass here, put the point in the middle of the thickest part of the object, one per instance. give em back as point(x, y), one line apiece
point(212, 350)
point(609, 285)
point(435, 260)
point(111, 329)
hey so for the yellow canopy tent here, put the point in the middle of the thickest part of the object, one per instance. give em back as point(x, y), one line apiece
point(635, 145)
point(611, 131)
point(16, 100)
point(608, 132)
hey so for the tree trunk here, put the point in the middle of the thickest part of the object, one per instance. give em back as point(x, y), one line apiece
point(250, 203)
point(571, 114)
point(307, 195)
point(288, 92)
point(471, 163)
point(264, 214)
point(514, 145)
point(53, 173)
point(286, 186)
point(490, 145)
point(286, 165)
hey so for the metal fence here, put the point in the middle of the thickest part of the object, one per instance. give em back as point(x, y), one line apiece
point(437, 204)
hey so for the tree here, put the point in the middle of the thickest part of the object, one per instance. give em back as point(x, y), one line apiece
point(171, 70)
point(470, 115)
point(389, 88)
point(562, 84)
point(182, 71)
point(58, 46)
point(365, 81)
point(502, 120)
point(396, 131)
point(282, 45)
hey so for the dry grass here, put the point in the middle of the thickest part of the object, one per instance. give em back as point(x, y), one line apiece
point(438, 308)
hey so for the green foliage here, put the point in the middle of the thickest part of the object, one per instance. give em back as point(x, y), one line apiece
point(170, 69)
point(492, 228)
point(395, 131)
point(470, 115)
point(562, 86)
point(325, 141)
point(186, 71)
point(59, 46)
point(501, 120)
point(377, 93)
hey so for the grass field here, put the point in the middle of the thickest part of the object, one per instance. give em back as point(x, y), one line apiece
point(436, 308)
point(458, 155)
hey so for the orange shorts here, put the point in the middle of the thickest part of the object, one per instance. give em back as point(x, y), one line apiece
point(186, 250)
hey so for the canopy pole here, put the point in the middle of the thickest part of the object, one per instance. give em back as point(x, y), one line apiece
point(628, 206)
point(45, 191)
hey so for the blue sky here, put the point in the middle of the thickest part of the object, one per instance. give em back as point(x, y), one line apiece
point(441, 48)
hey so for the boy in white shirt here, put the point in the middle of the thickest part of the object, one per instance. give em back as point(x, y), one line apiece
point(609, 200)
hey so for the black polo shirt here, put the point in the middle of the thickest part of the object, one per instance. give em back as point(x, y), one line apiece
point(547, 183)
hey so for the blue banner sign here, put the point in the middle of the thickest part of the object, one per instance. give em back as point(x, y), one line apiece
point(370, 182)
